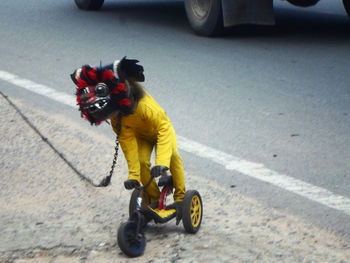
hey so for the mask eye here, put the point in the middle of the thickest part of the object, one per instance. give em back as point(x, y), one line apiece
point(101, 90)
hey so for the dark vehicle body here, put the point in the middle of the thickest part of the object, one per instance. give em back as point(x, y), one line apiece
point(209, 17)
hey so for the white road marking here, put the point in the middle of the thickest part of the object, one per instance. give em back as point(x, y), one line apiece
point(254, 170)
point(260, 172)
point(43, 90)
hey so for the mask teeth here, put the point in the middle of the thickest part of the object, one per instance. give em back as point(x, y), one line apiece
point(98, 105)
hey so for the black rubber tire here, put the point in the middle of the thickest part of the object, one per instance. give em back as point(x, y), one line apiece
point(205, 16)
point(346, 4)
point(303, 3)
point(127, 242)
point(192, 211)
point(133, 201)
point(89, 4)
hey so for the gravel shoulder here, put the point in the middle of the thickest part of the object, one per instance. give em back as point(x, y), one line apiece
point(48, 214)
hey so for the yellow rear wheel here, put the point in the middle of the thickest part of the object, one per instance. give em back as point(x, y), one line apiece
point(192, 211)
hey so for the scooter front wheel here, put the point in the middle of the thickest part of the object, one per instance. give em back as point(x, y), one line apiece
point(131, 243)
point(133, 201)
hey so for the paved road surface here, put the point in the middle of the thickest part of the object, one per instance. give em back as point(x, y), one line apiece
point(277, 96)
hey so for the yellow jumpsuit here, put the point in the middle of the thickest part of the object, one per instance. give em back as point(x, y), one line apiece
point(140, 132)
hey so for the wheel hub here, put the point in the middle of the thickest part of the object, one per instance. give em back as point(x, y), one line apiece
point(196, 211)
point(201, 8)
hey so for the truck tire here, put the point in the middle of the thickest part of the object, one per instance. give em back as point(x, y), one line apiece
point(205, 16)
point(89, 4)
point(303, 3)
point(346, 4)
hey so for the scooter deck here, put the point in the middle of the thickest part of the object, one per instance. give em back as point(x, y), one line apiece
point(160, 215)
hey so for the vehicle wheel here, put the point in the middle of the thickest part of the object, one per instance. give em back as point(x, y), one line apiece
point(192, 211)
point(89, 4)
point(129, 243)
point(133, 201)
point(205, 16)
point(346, 4)
point(303, 3)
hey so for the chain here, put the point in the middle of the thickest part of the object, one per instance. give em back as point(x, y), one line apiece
point(107, 179)
point(48, 142)
point(115, 155)
point(103, 183)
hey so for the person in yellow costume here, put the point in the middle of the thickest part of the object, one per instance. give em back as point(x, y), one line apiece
point(113, 92)
point(149, 127)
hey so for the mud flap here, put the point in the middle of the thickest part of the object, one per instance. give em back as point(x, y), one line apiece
point(346, 4)
point(236, 12)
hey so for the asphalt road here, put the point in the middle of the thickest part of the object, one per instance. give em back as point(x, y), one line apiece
point(277, 95)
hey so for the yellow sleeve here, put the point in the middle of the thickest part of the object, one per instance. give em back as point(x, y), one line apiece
point(159, 121)
point(129, 146)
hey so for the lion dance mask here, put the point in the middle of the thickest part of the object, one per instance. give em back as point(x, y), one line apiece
point(99, 93)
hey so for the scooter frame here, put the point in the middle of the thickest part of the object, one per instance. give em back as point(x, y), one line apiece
point(131, 234)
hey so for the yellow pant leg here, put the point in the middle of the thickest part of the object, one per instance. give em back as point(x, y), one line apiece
point(177, 171)
point(145, 150)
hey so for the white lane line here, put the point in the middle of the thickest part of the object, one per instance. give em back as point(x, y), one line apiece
point(39, 89)
point(254, 170)
point(260, 172)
